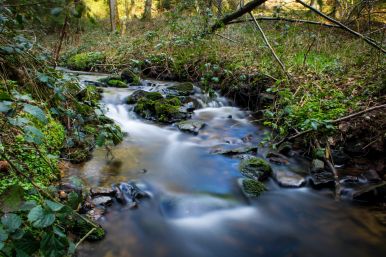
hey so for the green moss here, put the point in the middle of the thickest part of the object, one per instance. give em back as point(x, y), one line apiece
point(81, 228)
point(153, 106)
point(252, 187)
point(85, 61)
point(182, 89)
point(130, 77)
point(255, 168)
point(116, 83)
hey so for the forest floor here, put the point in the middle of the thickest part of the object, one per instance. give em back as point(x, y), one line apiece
point(331, 73)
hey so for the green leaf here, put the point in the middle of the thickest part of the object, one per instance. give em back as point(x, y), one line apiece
point(27, 206)
point(5, 106)
point(18, 121)
point(52, 246)
point(71, 248)
point(59, 232)
point(54, 206)
point(11, 198)
point(18, 234)
point(36, 112)
point(27, 244)
point(11, 222)
point(40, 218)
point(3, 235)
point(33, 135)
point(73, 200)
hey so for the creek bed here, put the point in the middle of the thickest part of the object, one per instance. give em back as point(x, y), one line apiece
point(197, 207)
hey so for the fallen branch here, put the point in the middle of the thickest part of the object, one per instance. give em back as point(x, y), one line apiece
point(232, 16)
point(261, 18)
point(269, 45)
point(227, 38)
point(368, 40)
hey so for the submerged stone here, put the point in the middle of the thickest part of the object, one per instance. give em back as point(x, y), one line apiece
point(102, 200)
point(235, 151)
point(255, 168)
point(288, 179)
point(192, 126)
point(102, 191)
point(251, 188)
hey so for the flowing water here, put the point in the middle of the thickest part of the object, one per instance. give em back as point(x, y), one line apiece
point(197, 208)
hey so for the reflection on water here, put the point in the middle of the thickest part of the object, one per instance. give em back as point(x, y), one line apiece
point(198, 209)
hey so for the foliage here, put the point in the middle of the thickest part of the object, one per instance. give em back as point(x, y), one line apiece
point(85, 61)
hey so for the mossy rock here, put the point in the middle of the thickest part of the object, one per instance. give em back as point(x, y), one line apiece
point(251, 188)
point(113, 81)
point(255, 168)
point(181, 89)
point(134, 97)
point(152, 107)
point(130, 76)
point(85, 61)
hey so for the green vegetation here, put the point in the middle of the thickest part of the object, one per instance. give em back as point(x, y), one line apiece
point(255, 168)
point(252, 187)
point(85, 61)
point(153, 106)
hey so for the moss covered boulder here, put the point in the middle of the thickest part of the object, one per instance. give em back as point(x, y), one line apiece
point(153, 106)
point(255, 168)
point(181, 89)
point(130, 77)
point(113, 81)
point(251, 188)
point(134, 97)
point(85, 61)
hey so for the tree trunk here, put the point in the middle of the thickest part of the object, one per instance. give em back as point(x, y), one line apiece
point(113, 13)
point(147, 12)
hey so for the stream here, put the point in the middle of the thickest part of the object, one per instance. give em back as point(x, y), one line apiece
point(196, 206)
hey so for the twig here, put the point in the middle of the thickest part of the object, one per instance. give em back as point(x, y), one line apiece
point(263, 18)
point(368, 40)
point(84, 238)
point(269, 45)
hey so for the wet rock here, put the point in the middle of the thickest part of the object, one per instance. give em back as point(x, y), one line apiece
point(250, 187)
point(371, 176)
point(349, 181)
point(285, 148)
point(248, 138)
point(371, 193)
point(317, 166)
point(288, 179)
point(277, 158)
point(192, 126)
point(138, 94)
point(232, 140)
point(102, 191)
point(102, 200)
point(96, 213)
point(94, 83)
point(235, 151)
point(155, 107)
point(339, 157)
point(129, 76)
point(255, 168)
point(113, 81)
point(128, 193)
point(322, 178)
point(181, 89)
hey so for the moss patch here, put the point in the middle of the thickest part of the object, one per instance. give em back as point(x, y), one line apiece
point(255, 168)
point(85, 61)
point(154, 107)
point(253, 188)
point(181, 89)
